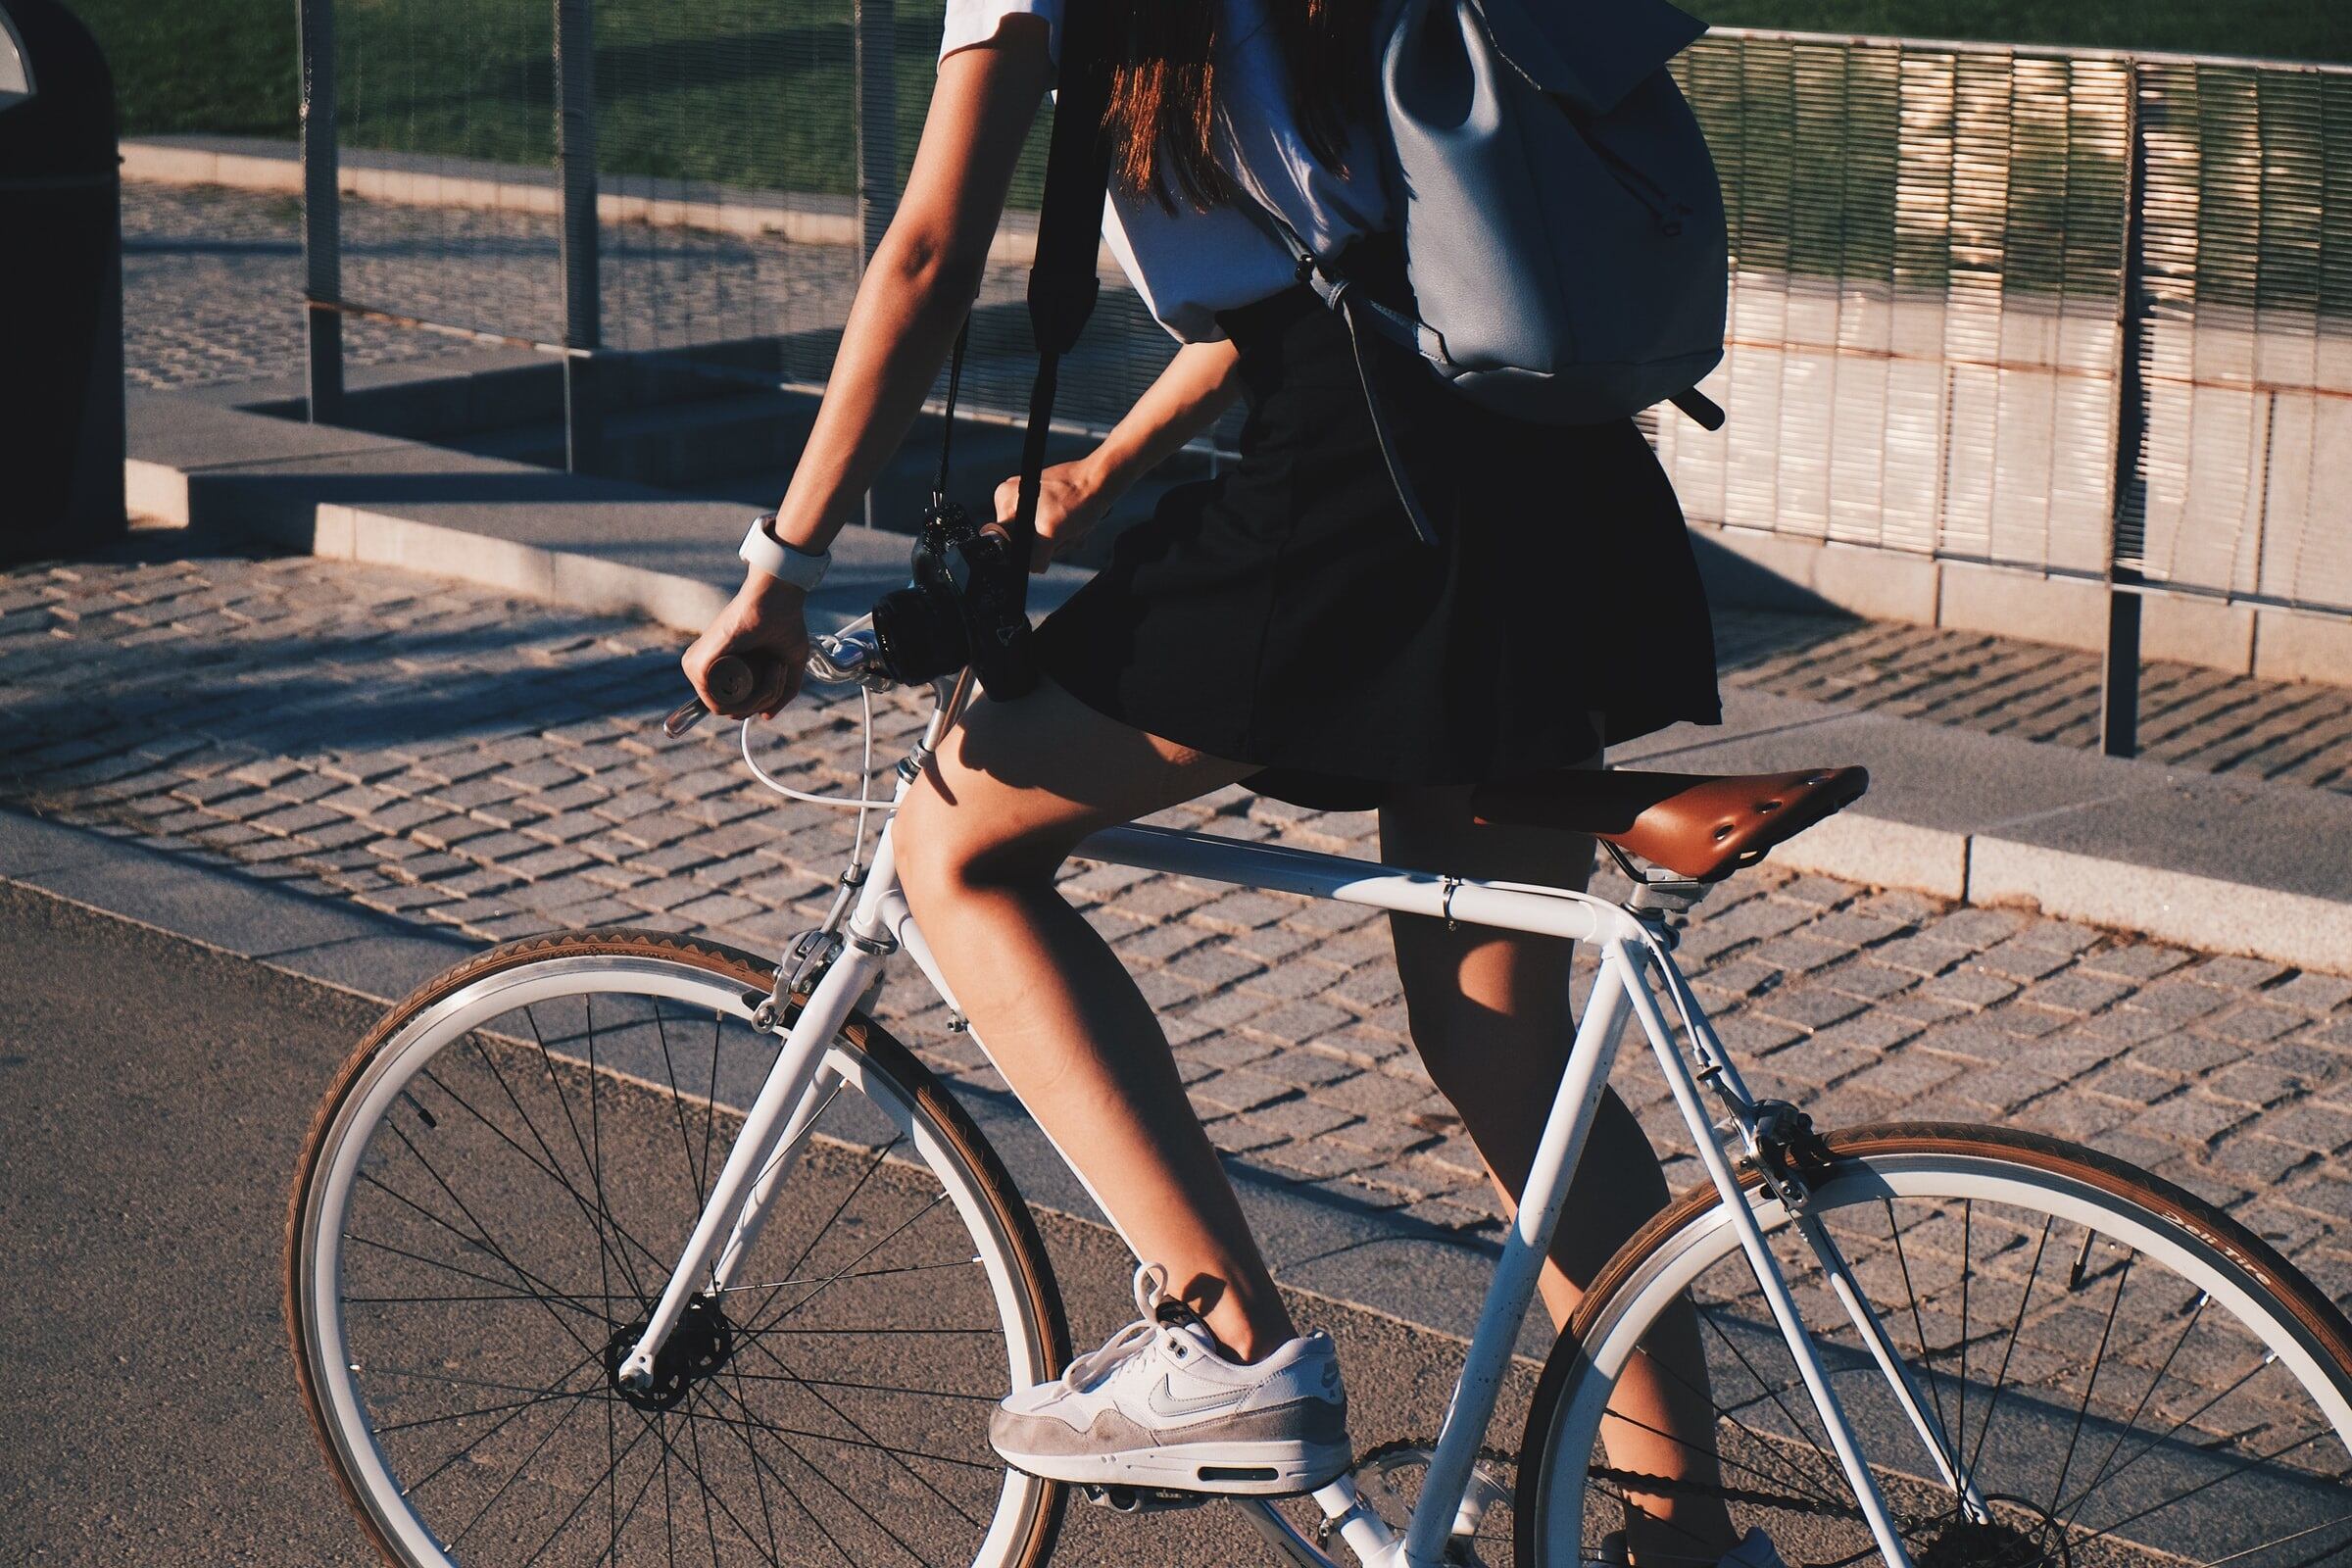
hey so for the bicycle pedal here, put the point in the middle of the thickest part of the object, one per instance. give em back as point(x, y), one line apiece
point(1140, 1499)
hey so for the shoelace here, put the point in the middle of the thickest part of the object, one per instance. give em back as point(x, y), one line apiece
point(1151, 1289)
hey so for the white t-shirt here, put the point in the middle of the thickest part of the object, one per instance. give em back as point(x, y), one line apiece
point(1189, 265)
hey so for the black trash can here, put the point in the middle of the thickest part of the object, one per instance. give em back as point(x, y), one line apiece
point(60, 287)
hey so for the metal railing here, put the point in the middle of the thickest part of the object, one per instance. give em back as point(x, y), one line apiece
point(2080, 313)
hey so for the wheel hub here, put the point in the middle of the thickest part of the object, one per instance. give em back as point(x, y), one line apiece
point(697, 1348)
point(1997, 1543)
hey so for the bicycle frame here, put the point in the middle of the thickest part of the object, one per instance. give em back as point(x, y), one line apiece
point(1636, 956)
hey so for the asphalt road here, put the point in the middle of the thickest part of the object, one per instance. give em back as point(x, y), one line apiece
point(152, 1097)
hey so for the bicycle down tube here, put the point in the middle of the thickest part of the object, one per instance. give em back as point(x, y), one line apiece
point(793, 1092)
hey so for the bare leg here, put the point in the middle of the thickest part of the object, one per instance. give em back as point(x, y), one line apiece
point(1015, 787)
point(1489, 1015)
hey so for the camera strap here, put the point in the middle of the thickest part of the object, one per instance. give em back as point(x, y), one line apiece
point(1062, 284)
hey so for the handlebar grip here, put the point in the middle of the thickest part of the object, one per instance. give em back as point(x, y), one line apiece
point(731, 680)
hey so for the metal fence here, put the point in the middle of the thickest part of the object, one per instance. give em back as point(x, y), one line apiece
point(2085, 313)
point(2080, 313)
point(697, 186)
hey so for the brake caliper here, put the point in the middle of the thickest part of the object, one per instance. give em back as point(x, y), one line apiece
point(1790, 1152)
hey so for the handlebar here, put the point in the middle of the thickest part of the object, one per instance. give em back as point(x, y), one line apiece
point(850, 657)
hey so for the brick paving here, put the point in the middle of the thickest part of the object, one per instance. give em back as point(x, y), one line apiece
point(494, 767)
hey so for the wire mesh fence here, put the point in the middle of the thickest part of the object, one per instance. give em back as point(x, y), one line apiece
point(2056, 310)
point(2082, 313)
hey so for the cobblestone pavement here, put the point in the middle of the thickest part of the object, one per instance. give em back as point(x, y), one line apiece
point(494, 766)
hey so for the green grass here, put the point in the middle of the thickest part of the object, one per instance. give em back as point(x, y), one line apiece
point(225, 67)
point(706, 89)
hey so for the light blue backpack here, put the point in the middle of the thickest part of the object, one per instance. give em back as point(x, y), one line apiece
point(1562, 221)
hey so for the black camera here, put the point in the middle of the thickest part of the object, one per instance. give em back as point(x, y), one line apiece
point(968, 605)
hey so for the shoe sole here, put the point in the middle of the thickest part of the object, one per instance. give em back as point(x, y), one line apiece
point(1218, 1469)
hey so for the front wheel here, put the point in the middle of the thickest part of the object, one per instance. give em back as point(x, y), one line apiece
point(495, 1192)
point(2123, 1374)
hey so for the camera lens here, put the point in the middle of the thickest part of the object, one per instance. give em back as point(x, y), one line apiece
point(921, 634)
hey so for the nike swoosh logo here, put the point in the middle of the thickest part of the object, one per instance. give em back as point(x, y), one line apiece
point(1162, 1401)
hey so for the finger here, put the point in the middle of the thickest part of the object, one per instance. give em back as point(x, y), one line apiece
point(697, 668)
point(776, 688)
point(792, 689)
point(1007, 500)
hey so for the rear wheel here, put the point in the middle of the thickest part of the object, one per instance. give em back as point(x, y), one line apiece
point(495, 1192)
point(2125, 1375)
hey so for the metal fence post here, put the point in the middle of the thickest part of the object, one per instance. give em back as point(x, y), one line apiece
point(575, 167)
point(874, 26)
point(322, 211)
point(2119, 695)
point(873, 29)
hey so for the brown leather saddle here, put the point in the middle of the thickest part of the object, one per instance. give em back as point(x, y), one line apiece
point(1703, 826)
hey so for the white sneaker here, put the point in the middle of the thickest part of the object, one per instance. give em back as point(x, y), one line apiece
point(1160, 1406)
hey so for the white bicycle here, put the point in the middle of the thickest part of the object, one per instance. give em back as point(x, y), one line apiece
point(555, 1298)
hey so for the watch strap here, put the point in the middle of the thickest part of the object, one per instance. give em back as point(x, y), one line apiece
point(764, 552)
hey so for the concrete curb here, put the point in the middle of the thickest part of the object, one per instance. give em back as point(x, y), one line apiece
point(798, 218)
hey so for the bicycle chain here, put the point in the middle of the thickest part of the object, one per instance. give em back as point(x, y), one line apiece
point(1634, 1481)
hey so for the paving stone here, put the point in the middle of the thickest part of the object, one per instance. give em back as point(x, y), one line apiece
point(1971, 987)
point(2019, 959)
point(2313, 992)
point(2189, 1117)
point(2076, 992)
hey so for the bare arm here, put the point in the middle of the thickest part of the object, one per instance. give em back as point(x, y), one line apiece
point(1198, 384)
point(919, 284)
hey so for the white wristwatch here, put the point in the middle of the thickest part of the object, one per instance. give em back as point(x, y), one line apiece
point(763, 550)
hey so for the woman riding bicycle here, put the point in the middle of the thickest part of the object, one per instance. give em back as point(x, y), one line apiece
point(1280, 627)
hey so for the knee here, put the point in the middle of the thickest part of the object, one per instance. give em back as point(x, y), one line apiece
point(943, 850)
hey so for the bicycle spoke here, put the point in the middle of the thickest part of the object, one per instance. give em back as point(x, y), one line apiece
point(390, 1427)
point(677, 1104)
point(2066, 1511)
point(1927, 1357)
point(524, 1276)
point(1796, 1426)
point(551, 1167)
point(599, 1214)
point(2000, 1378)
point(847, 1199)
point(785, 1436)
point(861, 1274)
point(428, 1478)
point(2091, 1380)
point(867, 1439)
point(520, 1469)
point(835, 1277)
point(869, 1388)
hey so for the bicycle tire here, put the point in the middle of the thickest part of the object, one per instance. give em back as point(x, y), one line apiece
point(1557, 1506)
point(738, 981)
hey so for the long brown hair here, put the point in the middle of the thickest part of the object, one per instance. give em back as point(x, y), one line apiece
point(1162, 119)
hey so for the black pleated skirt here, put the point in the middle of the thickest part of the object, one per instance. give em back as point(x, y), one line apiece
point(1285, 612)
